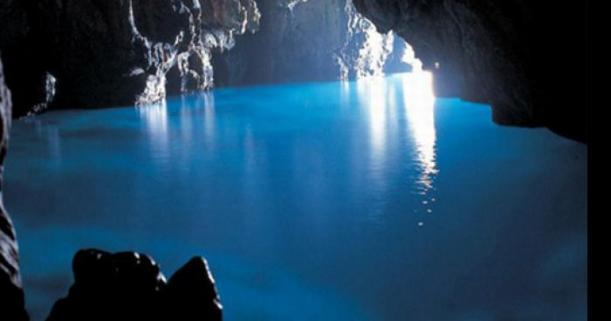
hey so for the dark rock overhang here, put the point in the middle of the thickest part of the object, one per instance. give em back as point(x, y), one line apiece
point(525, 58)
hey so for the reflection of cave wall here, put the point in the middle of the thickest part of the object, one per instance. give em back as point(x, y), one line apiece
point(526, 58)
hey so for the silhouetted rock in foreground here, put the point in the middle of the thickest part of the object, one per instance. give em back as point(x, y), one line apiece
point(130, 286)
point(11, 293)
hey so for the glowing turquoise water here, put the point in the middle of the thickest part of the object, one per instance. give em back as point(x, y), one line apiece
point(323, 201)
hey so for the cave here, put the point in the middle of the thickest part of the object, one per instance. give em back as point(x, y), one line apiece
point(293, 160)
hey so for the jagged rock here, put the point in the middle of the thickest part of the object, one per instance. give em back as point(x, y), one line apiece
point(11, 292)
point(115, 52)
point(288, 46)
point(130, 286)
point(526, 58)
point(308, 41)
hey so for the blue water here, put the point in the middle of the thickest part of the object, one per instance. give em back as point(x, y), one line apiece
point(368, 200)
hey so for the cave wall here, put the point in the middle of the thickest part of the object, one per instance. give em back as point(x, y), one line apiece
point(99, 53)
point(288, 46)
point(525, 58)
point(94, 53)
point(11, 292)
point(301, 41)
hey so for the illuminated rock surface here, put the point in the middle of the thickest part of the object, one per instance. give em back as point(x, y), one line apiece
point(289, 47)
point(115, 52)
point(125, 52)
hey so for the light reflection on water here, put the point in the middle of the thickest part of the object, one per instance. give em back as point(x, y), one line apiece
point(419, 103)
point(373, 92)
point(379, 98)
point(312, 195)
point(155, 117)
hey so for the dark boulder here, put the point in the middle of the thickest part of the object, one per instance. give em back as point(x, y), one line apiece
point(11, 292)
point(130, 286)
point(526, 58)
point(191, 293)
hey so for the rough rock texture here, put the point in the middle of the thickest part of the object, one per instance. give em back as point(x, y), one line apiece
point(114, 52)
point(308, 41)
point(94, 53)
point(11, 293)
point(129, 286)
point(526, 58)
point(105, 53)
point(288, 46)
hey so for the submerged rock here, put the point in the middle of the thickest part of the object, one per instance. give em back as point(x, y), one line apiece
point(130, 286)
point(526, 58)
point(11, 292)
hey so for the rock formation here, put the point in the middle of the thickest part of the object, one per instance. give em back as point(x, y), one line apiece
point(130, 286)
point(309, 41)
point(11, 293)
point(525, 58)
point(117, 52)
point(83, 54)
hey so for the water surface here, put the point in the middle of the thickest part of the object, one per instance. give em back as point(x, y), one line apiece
point(367, 200)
